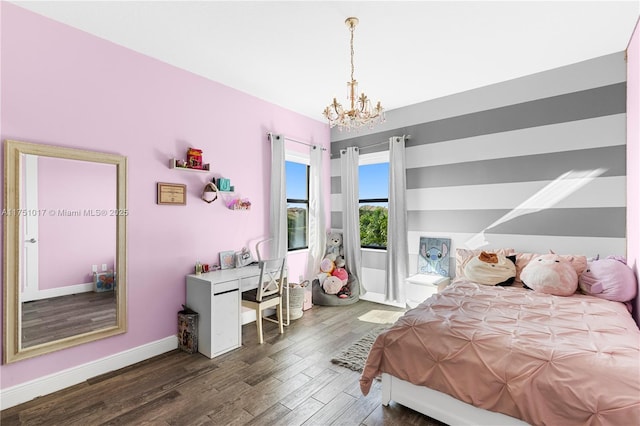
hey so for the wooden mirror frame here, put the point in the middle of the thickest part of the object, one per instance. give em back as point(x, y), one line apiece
point(12, 350)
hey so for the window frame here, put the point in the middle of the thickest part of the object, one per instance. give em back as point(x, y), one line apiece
point(299, 158)
point(365, 160)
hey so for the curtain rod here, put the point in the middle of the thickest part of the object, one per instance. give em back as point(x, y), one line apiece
point(407, 137)
point(300, 142)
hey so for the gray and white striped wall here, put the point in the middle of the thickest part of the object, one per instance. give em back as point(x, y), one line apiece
point(474, 157)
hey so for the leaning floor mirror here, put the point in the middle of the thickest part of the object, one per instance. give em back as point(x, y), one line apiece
point(64, 269)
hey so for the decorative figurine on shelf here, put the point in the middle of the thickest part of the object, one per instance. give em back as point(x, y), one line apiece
point(239, 204)
point(194, 158)
point(224, 184)
point(210, 193)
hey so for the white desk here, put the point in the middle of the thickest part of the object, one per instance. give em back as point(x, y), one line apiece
point(215, 296)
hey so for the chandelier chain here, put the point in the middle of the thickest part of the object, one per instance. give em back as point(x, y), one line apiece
point(352, 28)
point(361, 111)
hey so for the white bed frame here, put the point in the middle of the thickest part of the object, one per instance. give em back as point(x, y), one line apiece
point(440, 406)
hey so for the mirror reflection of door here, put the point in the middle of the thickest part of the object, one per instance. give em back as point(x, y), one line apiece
point(69, 230)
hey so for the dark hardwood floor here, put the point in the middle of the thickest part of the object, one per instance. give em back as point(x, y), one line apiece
point(289, 380)
point(55, 318)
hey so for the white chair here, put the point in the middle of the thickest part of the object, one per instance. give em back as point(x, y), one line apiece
point(269, 292)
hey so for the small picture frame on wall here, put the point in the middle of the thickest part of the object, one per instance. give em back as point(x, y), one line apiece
point(171, 193)
point(434, 256)
point(227, 259)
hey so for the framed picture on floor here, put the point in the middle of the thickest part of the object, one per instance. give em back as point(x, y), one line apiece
point(434, 256)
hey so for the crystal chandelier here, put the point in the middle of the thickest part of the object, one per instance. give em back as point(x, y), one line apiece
point(360, 113)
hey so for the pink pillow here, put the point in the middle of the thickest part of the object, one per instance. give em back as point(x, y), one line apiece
point(463, 256)
point(609, 279)
point(578, 262)
point(550, 274)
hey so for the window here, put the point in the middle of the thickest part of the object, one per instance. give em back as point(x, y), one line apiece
point(297, 181)
point(373, 178)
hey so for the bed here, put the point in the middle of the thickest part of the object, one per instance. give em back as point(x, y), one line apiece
point(477, 354)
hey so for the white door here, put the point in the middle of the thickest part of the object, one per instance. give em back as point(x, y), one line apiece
point(29, 222)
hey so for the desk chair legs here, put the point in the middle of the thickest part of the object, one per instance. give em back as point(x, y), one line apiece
point(278, 321)
point(268, 294)
point(279, 312)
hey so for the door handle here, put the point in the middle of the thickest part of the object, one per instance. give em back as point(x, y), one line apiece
point(31, 240)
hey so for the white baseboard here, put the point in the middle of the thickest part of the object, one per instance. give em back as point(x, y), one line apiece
point(59, 291)
point(379, 298)
point(54, 382)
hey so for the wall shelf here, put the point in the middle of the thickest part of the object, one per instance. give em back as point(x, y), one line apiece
point(233, 202)
point(173, 164)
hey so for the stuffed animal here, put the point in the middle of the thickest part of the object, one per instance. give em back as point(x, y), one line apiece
point(609, 279)
point(491, 269)
point(334, 248)
point(327, 265)
point(551, 274)
point(321, 277)
point(334, 277)
point(341, 273)
point(332, 285)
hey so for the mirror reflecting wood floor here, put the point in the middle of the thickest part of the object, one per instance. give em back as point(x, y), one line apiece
point(47, 320)
point(289, 380)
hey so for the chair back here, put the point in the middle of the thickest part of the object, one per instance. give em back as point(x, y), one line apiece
point(271, 274)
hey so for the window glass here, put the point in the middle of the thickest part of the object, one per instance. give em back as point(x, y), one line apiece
point(374, 204)
point(374, 181)
point(297, 183)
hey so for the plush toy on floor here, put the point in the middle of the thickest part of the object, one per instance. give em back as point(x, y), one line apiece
point(333, 278)
point(334, 250)
point(343, 276)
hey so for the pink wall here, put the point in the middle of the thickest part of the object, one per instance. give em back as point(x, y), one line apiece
point(69, 244)
point(633, 159)
point(64, 87)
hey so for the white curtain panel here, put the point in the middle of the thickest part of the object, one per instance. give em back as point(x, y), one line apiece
point(349, 162)
point(397, 239)
point(317, 227)
point(278, 198)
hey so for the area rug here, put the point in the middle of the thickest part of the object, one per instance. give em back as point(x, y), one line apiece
point(381, 317)
point(354, 356)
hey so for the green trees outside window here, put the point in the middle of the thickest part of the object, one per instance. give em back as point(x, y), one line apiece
point(374, 204)
point(373, 225)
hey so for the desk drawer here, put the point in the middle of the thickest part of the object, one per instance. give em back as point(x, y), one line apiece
point(249, 283)
point(225, 286)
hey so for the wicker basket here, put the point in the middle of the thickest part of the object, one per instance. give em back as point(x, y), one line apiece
point(294, 301)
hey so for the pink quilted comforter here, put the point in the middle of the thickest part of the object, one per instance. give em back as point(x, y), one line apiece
point(547, 360)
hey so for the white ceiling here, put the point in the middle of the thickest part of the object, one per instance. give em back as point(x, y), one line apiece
point(296, 53)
